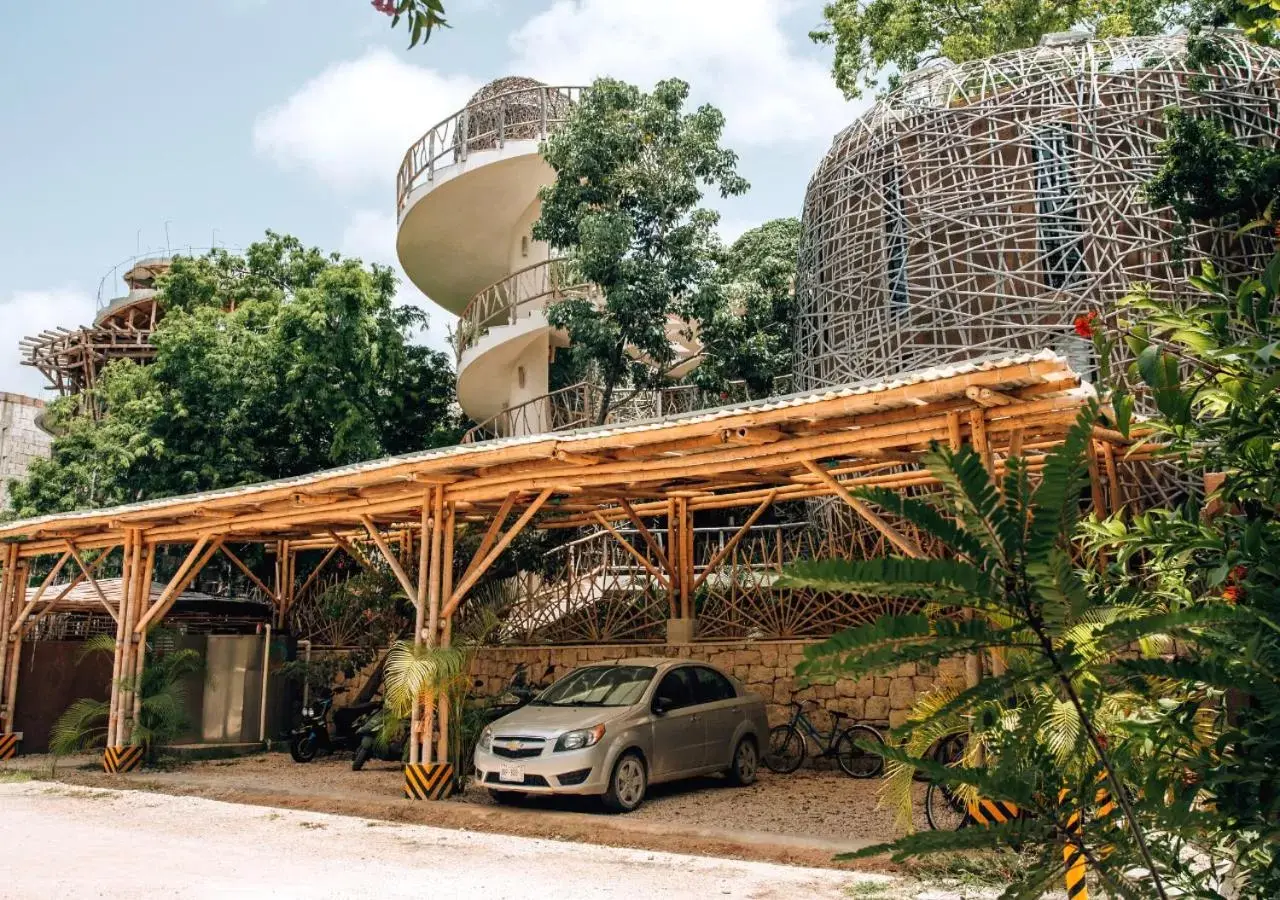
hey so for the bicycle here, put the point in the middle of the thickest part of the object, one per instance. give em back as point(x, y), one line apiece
point(789, 745)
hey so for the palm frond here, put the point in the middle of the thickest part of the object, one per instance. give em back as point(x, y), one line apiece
point(82, 726)
point(886, 574)
point(414, 673)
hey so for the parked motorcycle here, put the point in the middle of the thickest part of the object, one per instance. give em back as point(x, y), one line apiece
point(376, 743)
point(313, 735)
point(517, 693)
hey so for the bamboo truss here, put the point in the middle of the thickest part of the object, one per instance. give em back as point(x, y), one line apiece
point(980, 207)
point(642, 488)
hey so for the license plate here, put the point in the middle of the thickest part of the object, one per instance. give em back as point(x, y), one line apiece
point(511, 774)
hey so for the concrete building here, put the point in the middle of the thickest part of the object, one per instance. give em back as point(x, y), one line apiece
point(21, 439)
point(466, 203)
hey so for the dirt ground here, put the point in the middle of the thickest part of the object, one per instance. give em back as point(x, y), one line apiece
point(801, 819)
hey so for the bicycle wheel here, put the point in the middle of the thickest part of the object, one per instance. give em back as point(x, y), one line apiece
point(786, 749)
point(945, 751)
point(943, 809)
point(855, 761)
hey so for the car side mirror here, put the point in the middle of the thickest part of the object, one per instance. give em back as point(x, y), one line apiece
point(662, 705)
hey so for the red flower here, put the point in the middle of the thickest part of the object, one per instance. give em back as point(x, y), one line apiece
point(386, 7)
point(1085, 323)
point(1237, 574)
point(1232, 593)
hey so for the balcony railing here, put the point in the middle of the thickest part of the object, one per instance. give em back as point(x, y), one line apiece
point(520, 294)
point(524, 114)
point(578, 406)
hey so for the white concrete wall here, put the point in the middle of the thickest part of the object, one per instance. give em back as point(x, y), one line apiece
point(537, 251)
point(21, 440)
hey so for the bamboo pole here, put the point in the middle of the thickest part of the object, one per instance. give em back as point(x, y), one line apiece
point(8, 559)
point(645, 534)
point(114, 725)
point(177, 585)
point(733, 541)
point(316, 572)
point(239, 563)
point(626, 545)
point(1113, 477)
point(674, 543)
point(129, 599)
point(420, 617)
point(144, 603)
point(518, 526)
point(492, 532)
point(446, 632)
point(409, 588)
point(897, 538)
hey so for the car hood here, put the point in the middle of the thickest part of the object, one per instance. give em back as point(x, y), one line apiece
point(554, 719)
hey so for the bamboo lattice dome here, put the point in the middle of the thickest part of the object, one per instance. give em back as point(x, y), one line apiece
point(980, 207)
point(513, 107)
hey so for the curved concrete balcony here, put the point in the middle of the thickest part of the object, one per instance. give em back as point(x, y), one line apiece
point(465, 186)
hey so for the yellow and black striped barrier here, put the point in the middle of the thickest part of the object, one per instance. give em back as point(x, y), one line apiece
point(1073, 855)
point(428, 782)
point(992, 812)
point(9, 744)
point(118, 760)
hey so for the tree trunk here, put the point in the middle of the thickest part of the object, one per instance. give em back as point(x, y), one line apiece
point(612, 375)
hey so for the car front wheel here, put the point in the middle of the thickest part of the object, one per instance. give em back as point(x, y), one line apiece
point(628, 784)
point(746, 763)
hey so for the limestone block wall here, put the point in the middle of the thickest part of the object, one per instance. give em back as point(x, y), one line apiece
point(765, 667)
point(21, 440)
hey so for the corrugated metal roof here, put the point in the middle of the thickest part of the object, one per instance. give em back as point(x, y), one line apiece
point(83, 594)
point(477, 451)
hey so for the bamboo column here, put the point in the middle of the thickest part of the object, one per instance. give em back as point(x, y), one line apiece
point(144, 604)
point(8, 609)
point(446, 632)
point(433, 614)
point(129, 614)
point(420, 617)
point(123, 635)
point(978, 440)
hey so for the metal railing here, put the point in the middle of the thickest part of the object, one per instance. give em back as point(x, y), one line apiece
point(519, 294)
point(578, 406)
point(523, 114)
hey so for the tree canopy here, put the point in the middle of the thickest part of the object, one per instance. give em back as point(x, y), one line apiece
point(747, 336)
point(274, 363)
point(630, 168)
point(875, 37)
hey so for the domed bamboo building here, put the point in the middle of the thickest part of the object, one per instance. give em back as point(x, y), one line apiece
point(979, 208)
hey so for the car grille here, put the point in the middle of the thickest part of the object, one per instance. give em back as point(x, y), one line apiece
point(532, 746)
point(529, 781)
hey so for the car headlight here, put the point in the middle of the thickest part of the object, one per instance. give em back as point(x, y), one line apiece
point(583, 737)
point(486, 739)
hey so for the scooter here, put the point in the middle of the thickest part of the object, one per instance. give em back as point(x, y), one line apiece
point(373, 742)
point(313, 736)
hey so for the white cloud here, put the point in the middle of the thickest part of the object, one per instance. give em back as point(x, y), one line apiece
point(352, 123)
point(371, 235)
point(735, 54)
point(28, 313)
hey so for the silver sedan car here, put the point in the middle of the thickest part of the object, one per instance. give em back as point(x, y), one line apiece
point(613, 729)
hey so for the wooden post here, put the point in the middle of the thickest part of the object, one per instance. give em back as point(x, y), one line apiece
point(144, 603)
point(7, 612)
point(130, 600)
point(446, 631)
point(673, 557)
point(420, 618)
point(115, 724)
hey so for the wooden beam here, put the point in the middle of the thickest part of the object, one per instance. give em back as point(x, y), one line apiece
point(44, 585)
point(626, 545)
point(491, 534)
point(899, 540)
point(186, 573)
point(476, 571)
point(315, 573)
point(733, 541)
point(97, 589)
point(988, 397)
point(226, 551)
point(409, 588)
point(650, 541)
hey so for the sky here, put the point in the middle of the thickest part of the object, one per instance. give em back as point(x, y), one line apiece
point(139, 125)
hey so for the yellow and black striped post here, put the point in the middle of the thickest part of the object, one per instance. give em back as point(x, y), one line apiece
point(992, 812)
point(118, 760)
point(9, 744)
point(428, 782)
point(1073, 855)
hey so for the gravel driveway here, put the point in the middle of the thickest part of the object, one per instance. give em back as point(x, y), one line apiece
point(87, 842)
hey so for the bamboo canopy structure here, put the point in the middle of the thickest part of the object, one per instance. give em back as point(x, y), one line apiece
point(748, 455)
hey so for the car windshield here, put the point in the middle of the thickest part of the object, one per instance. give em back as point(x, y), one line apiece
point(598, 686)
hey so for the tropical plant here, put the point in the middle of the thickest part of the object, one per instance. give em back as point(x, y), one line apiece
point(422, 17)
point(1211, 366)
point(162, 713)
point(629, 172)
point(1057, 719)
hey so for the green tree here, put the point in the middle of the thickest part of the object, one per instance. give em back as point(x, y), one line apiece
point(748, 335)
point(629, 169)
point(276, 363)
point(871, 37)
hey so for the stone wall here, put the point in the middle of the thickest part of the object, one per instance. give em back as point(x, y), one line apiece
point(765, 667)
point(21, 440)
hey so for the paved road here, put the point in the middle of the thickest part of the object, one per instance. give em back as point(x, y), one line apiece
point(59, 841)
